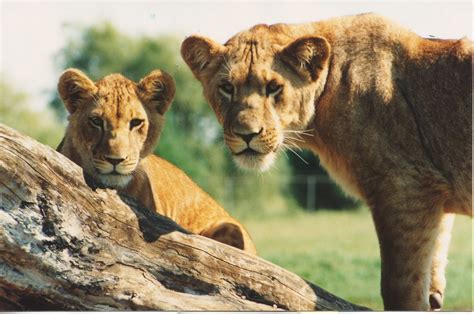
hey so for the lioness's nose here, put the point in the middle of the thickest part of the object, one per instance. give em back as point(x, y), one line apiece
point(114, 161)
point(247, 137)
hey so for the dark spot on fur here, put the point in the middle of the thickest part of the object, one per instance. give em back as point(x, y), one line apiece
point(415, 278)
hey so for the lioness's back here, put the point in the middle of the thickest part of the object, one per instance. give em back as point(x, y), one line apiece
point(439, 96)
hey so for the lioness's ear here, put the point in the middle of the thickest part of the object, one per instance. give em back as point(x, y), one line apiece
point(308, 56)
point(198, 52)
point(157, 90)
point(73, 87)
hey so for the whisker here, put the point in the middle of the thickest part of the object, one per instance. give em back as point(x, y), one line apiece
point(294, 152)
point(95, 99)
point(300, 132)
point(223, 75)
point(128, 164)
point(293, 144)
point(100, 162)
point(294, 135)
point(282, 151)
point(226, 64)
point(298, 139)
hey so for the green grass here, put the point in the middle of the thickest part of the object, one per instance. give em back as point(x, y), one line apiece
point(338, 251)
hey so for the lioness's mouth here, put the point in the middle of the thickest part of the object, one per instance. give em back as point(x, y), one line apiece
point(252, 159)
point(248, 152)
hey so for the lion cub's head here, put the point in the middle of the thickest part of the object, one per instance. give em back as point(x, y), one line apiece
point(262, 85)
point(114, 122)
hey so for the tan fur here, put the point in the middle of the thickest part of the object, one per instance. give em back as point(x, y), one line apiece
point(153, 181)
point(388, 113)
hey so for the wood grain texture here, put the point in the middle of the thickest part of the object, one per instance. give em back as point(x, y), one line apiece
point(65, 246)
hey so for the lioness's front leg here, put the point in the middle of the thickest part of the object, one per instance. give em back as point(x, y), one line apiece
point(407, 239)
point(439, 262)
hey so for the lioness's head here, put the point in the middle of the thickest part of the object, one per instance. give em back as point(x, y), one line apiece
point(114, 122)
point(262, 86)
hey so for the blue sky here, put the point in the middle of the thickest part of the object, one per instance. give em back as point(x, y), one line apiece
point(32, 31)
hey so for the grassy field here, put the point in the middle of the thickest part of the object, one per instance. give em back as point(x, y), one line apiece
point(339, 252)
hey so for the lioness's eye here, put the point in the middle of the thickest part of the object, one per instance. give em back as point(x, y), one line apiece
point(135, 123)
point(96, 122)
point(227, 89)
point(273, 88)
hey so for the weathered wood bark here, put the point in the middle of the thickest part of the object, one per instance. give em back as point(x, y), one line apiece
point(66, 246)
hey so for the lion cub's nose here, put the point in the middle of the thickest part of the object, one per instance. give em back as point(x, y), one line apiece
point(249, 136)
point(114, 161)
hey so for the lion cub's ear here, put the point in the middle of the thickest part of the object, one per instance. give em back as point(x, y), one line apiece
point(198, 52)
point(73, 87)
point(307, 56)
point(157, 89)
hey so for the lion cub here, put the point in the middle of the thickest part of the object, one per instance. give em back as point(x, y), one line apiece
point(114, 124)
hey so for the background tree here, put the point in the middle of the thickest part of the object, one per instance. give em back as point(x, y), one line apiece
point(312, 187)
point(15, 111)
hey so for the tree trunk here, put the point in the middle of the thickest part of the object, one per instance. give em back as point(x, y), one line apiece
point(65, 246)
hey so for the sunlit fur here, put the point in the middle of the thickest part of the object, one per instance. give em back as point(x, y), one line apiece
point(387, 112)
point(154, 182)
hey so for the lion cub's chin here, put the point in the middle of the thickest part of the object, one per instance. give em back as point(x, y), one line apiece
point(113, 181)
point(261, 162)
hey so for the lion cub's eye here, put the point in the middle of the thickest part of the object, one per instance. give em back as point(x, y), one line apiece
point(96, 122)
point(273, 89)
point(227, 89)
point(135, 123)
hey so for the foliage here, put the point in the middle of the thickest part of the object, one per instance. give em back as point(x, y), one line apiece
point(325, 193)
point(15, 112)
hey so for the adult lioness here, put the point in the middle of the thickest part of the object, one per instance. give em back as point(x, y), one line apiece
point(388, 113)
point(113, 126)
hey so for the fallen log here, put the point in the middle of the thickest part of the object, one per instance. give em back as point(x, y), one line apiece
point(65, 246)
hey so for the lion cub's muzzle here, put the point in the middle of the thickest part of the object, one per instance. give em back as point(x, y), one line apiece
point(115, 165)
point(114, 172)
